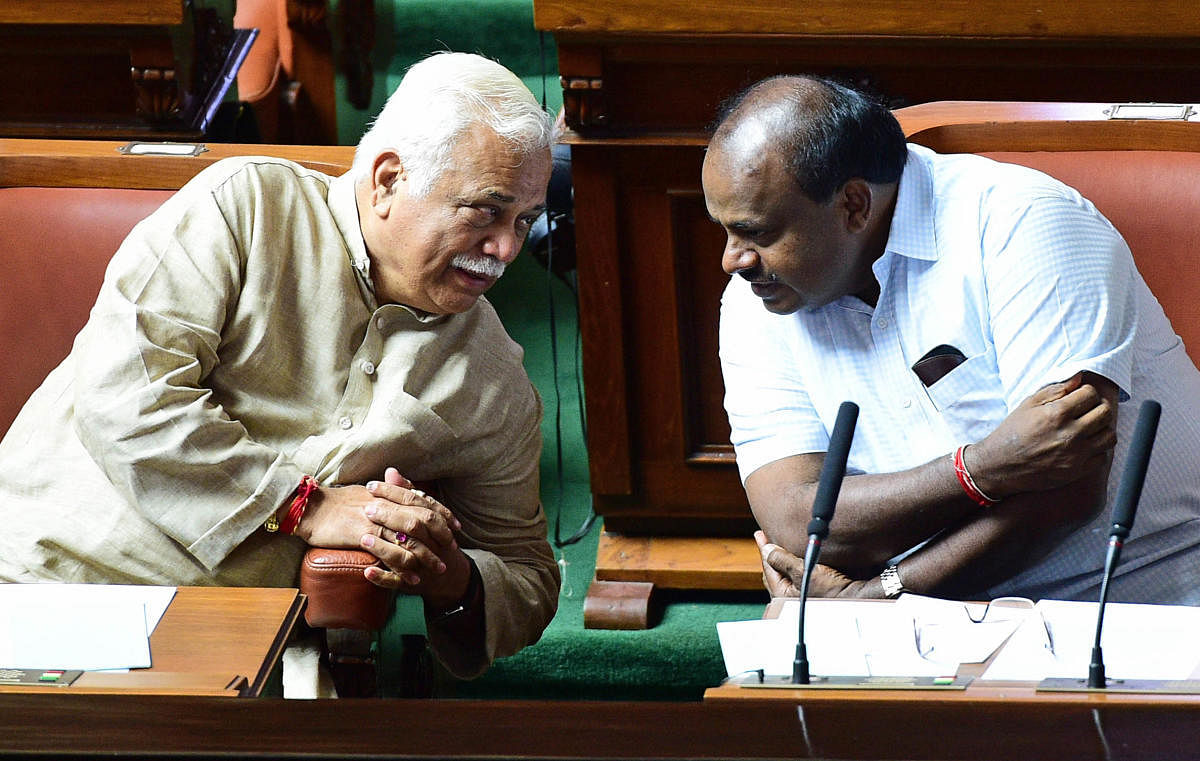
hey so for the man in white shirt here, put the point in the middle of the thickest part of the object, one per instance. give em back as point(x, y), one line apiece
point(986, 319)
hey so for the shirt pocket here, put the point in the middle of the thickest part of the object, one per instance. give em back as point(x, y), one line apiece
point(970, 398)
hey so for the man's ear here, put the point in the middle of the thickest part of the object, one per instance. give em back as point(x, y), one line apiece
point(387, 174)
point(858, 204)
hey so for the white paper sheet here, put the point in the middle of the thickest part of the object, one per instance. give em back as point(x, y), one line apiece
point(1138, 641)
point(79, 626)
point(958, 632)
point(842, 638)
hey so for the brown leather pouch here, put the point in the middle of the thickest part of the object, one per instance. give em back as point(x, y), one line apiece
point(339, 596)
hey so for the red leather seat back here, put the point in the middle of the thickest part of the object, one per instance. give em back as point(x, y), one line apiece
point(54, 246)
point(1153, 198)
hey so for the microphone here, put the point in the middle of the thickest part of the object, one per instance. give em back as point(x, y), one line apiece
point(833, 470)
point(1124, 508)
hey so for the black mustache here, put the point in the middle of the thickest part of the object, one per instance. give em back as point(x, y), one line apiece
point(754, 275)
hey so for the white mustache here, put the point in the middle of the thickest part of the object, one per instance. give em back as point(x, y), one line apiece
point(480, 265)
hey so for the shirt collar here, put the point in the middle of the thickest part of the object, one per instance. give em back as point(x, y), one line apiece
point(344, 207)
point(912, 233)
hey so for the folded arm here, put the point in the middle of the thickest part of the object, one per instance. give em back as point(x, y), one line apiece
point(1048, 462)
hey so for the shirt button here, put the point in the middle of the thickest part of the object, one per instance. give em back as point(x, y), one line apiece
point(368, 367)
point(346, 422)
point(380, 322)
point(882, 322)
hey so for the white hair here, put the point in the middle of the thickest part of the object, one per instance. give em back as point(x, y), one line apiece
point(437, 100)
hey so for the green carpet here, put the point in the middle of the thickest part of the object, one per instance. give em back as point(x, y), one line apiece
point(408, 30)
point(680, 656)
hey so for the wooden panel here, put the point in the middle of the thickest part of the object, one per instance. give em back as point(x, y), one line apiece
point(902, 18)
point(656, 83)
point(115, 12)
point(666, 277)
point(79, 726)
point(215, 641)
point(114, 68)
point(601, 317)
point(680, 562)
point(100, 164)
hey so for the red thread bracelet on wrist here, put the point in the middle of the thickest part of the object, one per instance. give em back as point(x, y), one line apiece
point(968, 484)
point(296, 510)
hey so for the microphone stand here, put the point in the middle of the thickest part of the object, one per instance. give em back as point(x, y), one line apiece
point(1128, 494)
point(1096, 678)
point(800, 662)
point(833, 470)
point(1130, 490)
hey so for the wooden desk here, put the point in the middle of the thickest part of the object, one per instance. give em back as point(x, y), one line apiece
point(149, 69)
point(216, 641)
point(65, 726)
point(640, 67)
point(978, 693)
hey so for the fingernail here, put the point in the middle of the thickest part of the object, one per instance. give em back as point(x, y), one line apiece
point(441, 567)
point(370, 509)
point(372, 485)
point(412, 578)
point(368, 540)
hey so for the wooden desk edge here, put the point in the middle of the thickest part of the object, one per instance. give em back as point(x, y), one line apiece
point(145, 682)
point(254, 688)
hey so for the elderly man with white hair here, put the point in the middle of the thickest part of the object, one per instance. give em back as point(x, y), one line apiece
point(275, 353)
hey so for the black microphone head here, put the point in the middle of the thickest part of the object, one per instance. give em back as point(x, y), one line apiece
point(833, 469)
point(1137, 459)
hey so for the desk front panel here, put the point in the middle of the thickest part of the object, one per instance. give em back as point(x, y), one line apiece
point(174, 727)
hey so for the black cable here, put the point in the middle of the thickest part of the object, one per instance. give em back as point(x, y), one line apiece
point(586, 526)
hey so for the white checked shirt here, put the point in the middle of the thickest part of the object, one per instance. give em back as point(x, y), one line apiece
point(1032, 285)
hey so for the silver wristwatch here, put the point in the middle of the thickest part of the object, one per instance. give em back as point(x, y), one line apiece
point(892, 586)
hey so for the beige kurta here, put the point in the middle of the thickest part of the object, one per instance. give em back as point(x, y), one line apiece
point(236, 345)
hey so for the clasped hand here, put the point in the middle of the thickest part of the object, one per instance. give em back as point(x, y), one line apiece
point(783, 572)
point(409, 531)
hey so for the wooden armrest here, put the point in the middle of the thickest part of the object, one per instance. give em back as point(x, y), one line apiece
point(339, 595)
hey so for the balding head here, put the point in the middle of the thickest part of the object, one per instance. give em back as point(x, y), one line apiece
point(825, 133)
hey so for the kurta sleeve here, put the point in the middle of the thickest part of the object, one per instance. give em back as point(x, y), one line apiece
point(143, 410)
point(504, 532)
